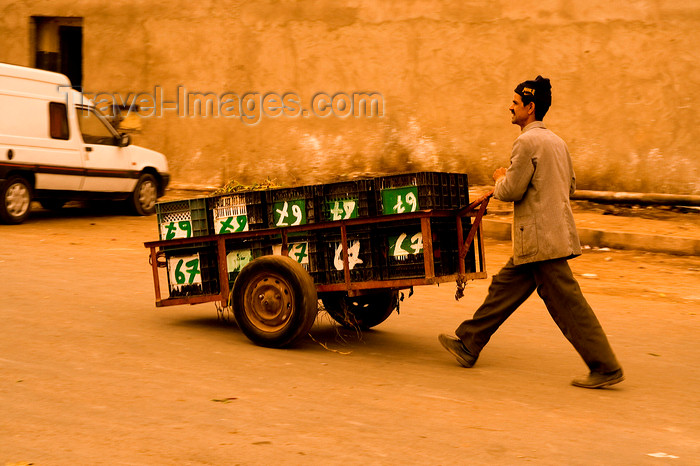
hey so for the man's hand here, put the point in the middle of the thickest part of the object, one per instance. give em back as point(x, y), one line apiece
point(498, 174)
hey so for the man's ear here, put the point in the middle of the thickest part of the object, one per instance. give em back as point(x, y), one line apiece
point(531, 108)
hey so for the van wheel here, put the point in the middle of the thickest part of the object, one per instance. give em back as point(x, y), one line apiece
point(143, 199)
point(16, 200)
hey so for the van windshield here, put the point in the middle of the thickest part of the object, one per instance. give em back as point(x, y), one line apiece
point(94, 129)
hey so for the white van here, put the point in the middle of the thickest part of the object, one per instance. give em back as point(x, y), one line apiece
point(56, 147)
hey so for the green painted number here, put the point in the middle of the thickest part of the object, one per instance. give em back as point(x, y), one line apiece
point(179, 276)
point(342, 209)
point(233, 224)
point(170, 230)
point(400, 200)
point(174, 229)
point(292, 209)
point(298, 251)
point(192, 268)
point(186, 227)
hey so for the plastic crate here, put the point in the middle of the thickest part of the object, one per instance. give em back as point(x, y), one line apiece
point(236, 212)
point(192, 271)
point(345, 200)
point(410, 192)
point(290, 206)
point(399, 249)
point(361, 260)
point(240, 252)
point(304, 248)
point(447, 251)
point(185, 218)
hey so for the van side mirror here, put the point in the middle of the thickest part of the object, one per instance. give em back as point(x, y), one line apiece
point(124, 140)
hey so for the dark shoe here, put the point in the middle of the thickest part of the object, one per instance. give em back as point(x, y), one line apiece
point(457, 348)
point(598, 380)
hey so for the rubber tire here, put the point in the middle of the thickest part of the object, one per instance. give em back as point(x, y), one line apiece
point(272, 277)
point(52, 204)
point(365, 311)
point(13, 183)
point(143, 200)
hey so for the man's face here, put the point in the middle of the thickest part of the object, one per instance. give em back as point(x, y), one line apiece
point(521, 113)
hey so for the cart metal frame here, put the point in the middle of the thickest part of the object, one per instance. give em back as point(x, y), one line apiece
point(476, 210)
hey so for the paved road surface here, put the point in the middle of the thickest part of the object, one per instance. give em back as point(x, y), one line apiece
point(92, 373)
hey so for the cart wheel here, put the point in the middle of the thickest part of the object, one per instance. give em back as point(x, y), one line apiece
point(274, 301)
point(364, 311)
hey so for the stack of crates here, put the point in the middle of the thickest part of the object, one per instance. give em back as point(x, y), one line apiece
point(399, 249)
point(381, 251)
point(237, 212)
point(344, 201)
point(192, 269)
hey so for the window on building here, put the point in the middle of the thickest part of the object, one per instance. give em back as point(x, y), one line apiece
point(58, 121)
point(58, 46)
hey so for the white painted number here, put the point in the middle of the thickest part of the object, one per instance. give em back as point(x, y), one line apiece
point(399, 205)
point(416, 245)
point(343, 210)
point(283, 215)
point(336, 211)
point(410, 200)
point(398, 250)
point(297, 214)
point(353, 255)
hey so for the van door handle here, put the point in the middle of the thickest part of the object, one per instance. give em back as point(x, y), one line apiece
point(88, 149)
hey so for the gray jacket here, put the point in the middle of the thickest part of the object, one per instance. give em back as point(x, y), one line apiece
point(539, 182)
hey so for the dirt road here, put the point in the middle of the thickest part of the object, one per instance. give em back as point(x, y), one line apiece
point(92, 373)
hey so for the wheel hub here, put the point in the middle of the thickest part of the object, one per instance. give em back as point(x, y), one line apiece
point(270, 304)
point(17, 200)
point(147, 195)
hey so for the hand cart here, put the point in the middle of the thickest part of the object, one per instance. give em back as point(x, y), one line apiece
point(275, 300)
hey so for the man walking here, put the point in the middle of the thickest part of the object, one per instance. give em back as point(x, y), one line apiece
point(539, 182)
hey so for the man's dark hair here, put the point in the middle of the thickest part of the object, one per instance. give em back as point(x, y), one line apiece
point(538, 91)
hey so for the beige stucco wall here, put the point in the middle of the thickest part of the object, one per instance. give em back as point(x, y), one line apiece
point(624, 74)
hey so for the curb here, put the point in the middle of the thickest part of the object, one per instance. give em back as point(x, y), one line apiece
point(678, 245)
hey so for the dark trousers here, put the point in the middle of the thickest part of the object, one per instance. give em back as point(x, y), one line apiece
point(561, 294)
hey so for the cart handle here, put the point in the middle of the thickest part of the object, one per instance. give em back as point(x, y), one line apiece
point(482, 202)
